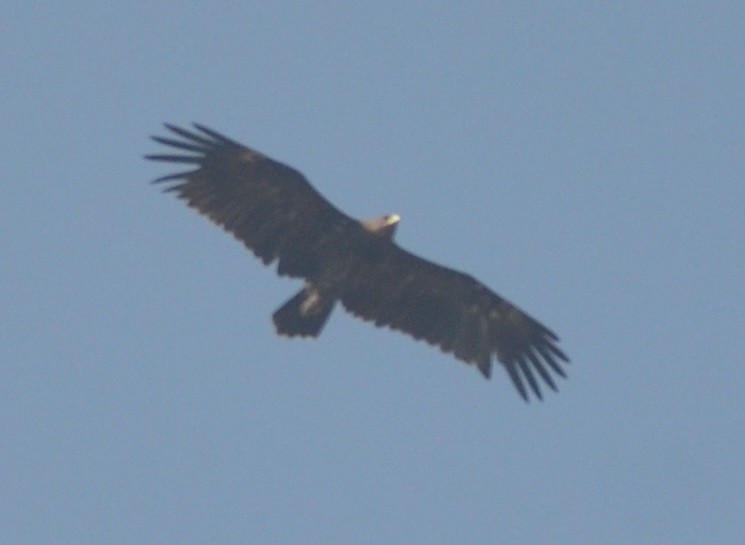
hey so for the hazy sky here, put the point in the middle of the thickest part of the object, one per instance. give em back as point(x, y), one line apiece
point(587, 162)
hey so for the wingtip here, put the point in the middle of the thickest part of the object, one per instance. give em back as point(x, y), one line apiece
point(485, 367)
point(172, 127)
point(517, 381)
point(211, 133)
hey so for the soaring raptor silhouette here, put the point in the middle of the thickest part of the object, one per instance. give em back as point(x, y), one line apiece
point(279, 216)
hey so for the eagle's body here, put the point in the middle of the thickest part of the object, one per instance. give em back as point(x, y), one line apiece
point(279, 216)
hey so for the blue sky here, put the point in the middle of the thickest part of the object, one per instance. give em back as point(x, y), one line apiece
point(585, 161)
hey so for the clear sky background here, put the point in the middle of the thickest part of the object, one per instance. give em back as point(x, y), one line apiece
point(585, 160)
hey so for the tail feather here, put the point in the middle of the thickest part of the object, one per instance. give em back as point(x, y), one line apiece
point(304, 315)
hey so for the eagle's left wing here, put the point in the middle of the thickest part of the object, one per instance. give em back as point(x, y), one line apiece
point(456, 312)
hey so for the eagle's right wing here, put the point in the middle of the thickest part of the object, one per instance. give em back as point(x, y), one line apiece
point(269, 206)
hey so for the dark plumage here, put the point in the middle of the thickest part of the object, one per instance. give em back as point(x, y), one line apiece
point(279, 216)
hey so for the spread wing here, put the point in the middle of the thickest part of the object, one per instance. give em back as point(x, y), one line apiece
point(279, 216)
point(454, 311)
point(267, 205)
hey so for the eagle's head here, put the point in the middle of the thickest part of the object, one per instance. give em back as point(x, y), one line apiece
point(384, 226)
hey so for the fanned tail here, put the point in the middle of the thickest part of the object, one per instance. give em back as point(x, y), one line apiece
point(304, 315)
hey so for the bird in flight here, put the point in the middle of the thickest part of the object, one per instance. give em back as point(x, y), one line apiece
point(278, 215)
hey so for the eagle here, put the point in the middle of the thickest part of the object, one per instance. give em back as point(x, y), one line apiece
point(279, 216)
